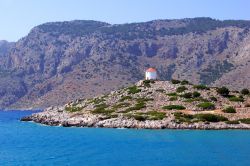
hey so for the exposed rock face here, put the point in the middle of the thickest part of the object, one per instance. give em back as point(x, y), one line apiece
point(144, 106)
point(5, 48)
point(86, 58)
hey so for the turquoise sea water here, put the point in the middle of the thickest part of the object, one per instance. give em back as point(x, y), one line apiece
point(25, 143)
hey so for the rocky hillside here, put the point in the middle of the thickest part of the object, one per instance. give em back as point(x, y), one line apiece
point(5, 48)
point(155, 104)
point(62, 61)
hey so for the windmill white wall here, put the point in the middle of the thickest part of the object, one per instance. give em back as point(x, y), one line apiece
point(151, 74)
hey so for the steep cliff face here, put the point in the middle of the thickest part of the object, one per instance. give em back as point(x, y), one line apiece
point(62, 61)
point(5, 48)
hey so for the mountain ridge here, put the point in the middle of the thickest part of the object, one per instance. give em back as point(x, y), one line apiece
point(86, 58)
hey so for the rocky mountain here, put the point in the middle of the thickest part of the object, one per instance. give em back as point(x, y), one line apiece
point(5, 47)
point(62, 61)
point(155, 105)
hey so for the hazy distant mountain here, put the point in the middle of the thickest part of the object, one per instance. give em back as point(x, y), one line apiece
point(60, 61)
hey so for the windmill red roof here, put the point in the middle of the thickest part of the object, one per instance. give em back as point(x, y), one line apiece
point(151, 70)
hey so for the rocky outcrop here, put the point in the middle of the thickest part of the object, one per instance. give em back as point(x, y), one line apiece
point(55, 118)
point(144, 106)
point(5, 48)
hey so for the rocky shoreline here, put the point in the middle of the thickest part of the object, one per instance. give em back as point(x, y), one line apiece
point(57, 117)
point(154, 105)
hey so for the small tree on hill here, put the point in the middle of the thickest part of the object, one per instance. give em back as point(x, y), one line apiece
point(184, 82)
point(175, 81)
point(245, 91)
point(223, 91)
point(196, 94)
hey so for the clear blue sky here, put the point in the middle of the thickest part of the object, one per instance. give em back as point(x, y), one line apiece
point(19, 16)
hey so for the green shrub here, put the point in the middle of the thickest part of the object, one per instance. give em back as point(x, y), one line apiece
point(187, 95)
point(233, 122)
point(174, 107)
point(180, 114)
point(154, 115)
point(213, 98)
point(245, 91)
point(184, 82)
point(138, 106)
point(139, 117)
point(102, 105)
point(199, 117)
point(210, 117)
point(151, 115)
point(229, 110)
point(180, 117)
point(140, 100)
point(196, 99)
point(129, 109)
point(103, 111)
point(73, 109)
point(206, 105)
point(181, 89)
point(175, 81)
point(190, 100)
point(246, 121)
point(223, 91)
point(97, 100)
point(121, 105)
point(125, 98)
point(172, 94)
point(147, 83)
point(196, 94)
point(201, 87)
point(174, 98)
point(236, 99)
point(133, 90)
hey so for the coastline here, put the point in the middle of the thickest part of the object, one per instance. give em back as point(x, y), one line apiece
point(58, 118)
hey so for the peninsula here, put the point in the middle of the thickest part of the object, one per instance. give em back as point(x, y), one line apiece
point(154, 104)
